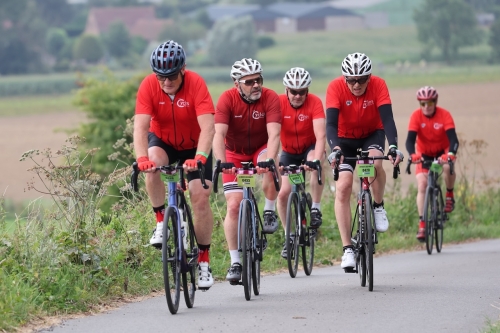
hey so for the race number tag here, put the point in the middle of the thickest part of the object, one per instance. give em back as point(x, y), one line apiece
point(436, 167)
point(366, 170)
point(246, 180)
point(170, 178)
point(296, 178)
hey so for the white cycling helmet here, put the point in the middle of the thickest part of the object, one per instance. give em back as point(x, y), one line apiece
point(356, 64)
point(244, 67)
point(297, 78)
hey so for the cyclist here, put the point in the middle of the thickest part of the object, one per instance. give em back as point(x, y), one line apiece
point(247, 129)
point(174, 121)
point(303, 139)
point(359, 115)
point(433, 130)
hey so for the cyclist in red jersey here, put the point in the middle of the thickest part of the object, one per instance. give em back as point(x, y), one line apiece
point(303, 139)
point(174, 121)
point(359, 115)
point(433, 129)
point(247, 129)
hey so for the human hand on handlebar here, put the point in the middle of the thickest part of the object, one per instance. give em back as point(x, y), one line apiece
point(395, 156)
point(145, 165)
point(265, 166)
point(336, 157)
point(416, 158)
point(312, 165)
point(192, 164)
point(444, 158)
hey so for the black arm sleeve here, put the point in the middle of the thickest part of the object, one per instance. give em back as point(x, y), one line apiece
point(452, 137)
point(410, 142)
point(389, 126)
point(332, 127)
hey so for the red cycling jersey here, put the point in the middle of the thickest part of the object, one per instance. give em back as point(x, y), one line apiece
point(247, 122)
point(358, 116)
point(431, 131)
point(175, 121)
point(297, 132)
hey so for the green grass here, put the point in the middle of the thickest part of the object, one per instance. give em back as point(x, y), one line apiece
point(400, 12)
point(26, 105)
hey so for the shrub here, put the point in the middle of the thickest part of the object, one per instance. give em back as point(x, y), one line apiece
point(265, 41)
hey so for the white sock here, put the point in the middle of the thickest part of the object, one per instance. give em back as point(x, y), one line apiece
point(270, 205)
point(316, 205)
point(235, 256)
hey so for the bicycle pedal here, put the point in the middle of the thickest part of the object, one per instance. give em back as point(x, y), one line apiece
point(235, 283)
point(350, 270)
point(203, 289)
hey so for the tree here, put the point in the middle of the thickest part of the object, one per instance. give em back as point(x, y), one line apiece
point(55, 41)
point(88, 48)
point(494, 40)
point(231, 39)
point(117, 40)
point(447, 25)
point(183, 32)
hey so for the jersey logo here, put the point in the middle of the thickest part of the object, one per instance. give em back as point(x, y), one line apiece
point(240, 116)
point(367, 103)
point(257, 115)
point(423, 125)
point(437, 126)
point(287, 117)
point(161, 103)
point(182, 103)
point(348, 103)
point(303, 117)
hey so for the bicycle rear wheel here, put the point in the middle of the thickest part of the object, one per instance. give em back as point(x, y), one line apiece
point(308, 241)
point(368, 237)
point(256, 265)
point(439, 225)
point(292, 228)
point(246, 248)
point(190, 278)
point(429, 218)
point(171, 263)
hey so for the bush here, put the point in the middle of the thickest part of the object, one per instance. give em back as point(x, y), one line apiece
point(88, 48)
point(265, 41)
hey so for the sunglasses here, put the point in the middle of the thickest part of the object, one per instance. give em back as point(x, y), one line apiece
point(252, 82)
point(172, 77)
point(361, 80)
point(428, 103)
point(298, 92)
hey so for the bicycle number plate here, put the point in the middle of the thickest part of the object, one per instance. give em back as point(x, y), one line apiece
point(296, 178)
point(170, 178)
point(366, 170)
point(246, 180)
point(436, 167)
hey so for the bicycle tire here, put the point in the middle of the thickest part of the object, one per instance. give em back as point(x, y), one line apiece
point(361, 262)
point(190, 278)
point(171, 264)
point(256, 267)
point(308, 239)
point(246, 248)
point(439, 226)
point(292, 228)
point(429, 219)
point(369, 246)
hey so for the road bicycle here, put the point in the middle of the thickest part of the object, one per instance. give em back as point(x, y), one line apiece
point(179, 246)
point(299, 232)
point(251, 241)
point(363, 232)
point(434, 214)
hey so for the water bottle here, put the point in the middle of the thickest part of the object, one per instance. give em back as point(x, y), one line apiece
point(183, 228)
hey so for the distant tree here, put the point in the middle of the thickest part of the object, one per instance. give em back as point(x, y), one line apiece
point(138, 45)
point(183, 31)
point(55, 41)
point(117, 40)
point(494, 40)
point(447, 25)
point(231, 39)
point(88, 48)
point(56, 13)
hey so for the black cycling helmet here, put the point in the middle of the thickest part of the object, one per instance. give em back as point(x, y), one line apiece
point(168, 58)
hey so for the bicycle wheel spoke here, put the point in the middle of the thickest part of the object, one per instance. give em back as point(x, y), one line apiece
point(369, 244)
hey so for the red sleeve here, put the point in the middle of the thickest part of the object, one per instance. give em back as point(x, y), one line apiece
point(143, 102)
point(414, 125)
point(318, 111)
point(223, 109)
point(273, 107)
point(332, 95)
point(203, 101)
point(383, 97)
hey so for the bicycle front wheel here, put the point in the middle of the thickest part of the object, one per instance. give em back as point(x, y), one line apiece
point(246, 248)
point(256, 267)
point(429, 219)
point(439, 225)
point(368, 238)
point(190, 278)
point(308, 236)
point(292, 233)
point(171, 263)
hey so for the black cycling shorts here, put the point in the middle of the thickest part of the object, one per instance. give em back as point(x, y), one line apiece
point(287, 159)
point(349, 147)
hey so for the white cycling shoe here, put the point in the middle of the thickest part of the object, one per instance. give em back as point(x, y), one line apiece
point(381, 222)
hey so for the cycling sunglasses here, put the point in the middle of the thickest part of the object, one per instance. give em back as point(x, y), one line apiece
point(252, 82)
point(298, 92)
point(171, 77)
point(428, 103)
point(360, 80)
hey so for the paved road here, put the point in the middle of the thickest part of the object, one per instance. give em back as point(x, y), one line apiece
point(454, 291)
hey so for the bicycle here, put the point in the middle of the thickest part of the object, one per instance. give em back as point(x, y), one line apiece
point(251, 241)
point(434, 214)
point(180, 250)
point(365, 237)
point(298, 231)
